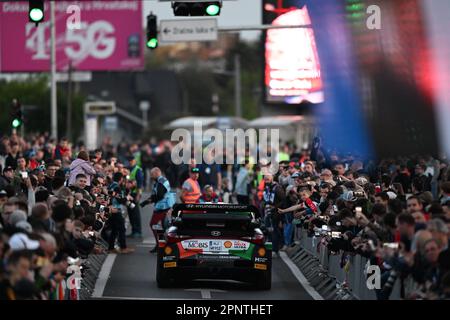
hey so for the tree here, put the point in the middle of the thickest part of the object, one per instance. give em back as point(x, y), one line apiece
point(34, 95)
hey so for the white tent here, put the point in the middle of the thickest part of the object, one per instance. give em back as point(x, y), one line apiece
point(207, 122)
point(299, 129)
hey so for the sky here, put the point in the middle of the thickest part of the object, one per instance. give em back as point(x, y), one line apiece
point(234, 13)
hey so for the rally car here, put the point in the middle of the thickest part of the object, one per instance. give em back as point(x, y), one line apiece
point(214, 241)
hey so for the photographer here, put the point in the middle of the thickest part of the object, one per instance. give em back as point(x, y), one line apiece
point(136, 179)
point(163, 201)
point(114, 212)
point(273, 199)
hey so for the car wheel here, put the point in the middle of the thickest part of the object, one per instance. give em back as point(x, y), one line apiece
point(162, 278)
point(264, 280)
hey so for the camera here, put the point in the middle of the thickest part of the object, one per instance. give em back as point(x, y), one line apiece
point(359, 194)
point(391, 245)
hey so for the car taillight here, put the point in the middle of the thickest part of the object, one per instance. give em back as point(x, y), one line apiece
point(258, 238)
point(172, 237)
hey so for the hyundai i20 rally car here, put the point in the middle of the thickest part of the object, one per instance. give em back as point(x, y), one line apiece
point(214, 241)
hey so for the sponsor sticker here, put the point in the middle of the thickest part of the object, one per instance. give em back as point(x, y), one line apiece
point(170, 264)
point(168, 258)
point(206, 245)
point(195, 244)
point(237, 244)
point(215, 245)
point(260, 266)
point(263, 260)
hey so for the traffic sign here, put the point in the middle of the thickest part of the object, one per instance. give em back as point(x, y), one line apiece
point(188, 30)
point(100, 108)
point(77, 76)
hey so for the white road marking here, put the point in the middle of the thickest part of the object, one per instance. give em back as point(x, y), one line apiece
point(205, 293)
point(300, 277)
point(103, 277)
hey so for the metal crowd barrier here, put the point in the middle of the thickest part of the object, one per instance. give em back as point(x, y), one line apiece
point(354, 275)
point(94, 263)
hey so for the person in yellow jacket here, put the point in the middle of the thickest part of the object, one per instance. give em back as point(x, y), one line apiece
point(191, 190)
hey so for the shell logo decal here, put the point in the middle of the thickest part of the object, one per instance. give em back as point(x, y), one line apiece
point(228, 244)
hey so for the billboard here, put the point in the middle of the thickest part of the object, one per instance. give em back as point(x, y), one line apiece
point(292, 72)
point(107, 36)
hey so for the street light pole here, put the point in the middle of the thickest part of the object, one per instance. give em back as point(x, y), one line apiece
point(237, 85)
point(54, 112)
point(69, 102)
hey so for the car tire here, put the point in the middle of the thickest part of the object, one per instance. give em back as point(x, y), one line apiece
point(162, 278)
point(264, 280)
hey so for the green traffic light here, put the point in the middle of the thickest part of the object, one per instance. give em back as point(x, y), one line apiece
point(213, 9)
point(152, 43)
point(36, 14)
point(16, 123)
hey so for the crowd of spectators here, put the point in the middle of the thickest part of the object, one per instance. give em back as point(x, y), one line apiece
point(59, 203)
point(395, 213)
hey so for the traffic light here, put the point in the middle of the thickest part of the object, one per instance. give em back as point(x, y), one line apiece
point(197, 8)
point(36, 11)
point(17, 117)
point(152, 32)
point(213, 8)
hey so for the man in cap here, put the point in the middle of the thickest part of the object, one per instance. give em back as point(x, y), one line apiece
point(191, 190)
point(20, 241)
point(327, 176)
point(349, 199)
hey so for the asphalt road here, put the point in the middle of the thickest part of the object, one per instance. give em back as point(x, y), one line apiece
point(132, 276)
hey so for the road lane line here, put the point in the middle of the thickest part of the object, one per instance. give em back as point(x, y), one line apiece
point(141, 298)
point(206, 294)
point(300, 277)
point(103, 277)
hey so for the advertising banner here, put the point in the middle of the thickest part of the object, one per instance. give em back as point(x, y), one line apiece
point(93, 35)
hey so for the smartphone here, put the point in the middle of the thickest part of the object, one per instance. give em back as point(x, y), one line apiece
point(335, 234)
point(102, 208)
point(325, 227)
point(24, 175)
point(391, 245)
point(91, 233)
point(358, 210)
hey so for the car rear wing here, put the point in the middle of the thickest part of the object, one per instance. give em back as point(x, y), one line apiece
point(215, 209)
